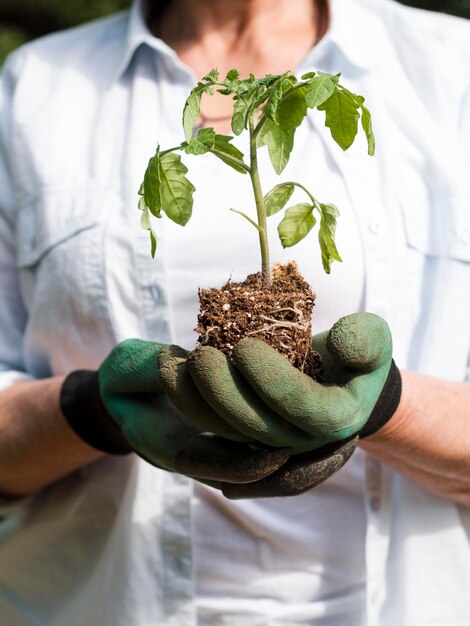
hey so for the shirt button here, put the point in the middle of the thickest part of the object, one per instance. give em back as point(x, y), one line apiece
point(375, 503)
point(375, 227)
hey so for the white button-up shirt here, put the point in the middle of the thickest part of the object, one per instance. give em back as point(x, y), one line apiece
point(81, 113)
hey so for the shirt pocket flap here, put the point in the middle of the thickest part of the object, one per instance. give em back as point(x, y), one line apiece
point(52, 218)
point(437, 223)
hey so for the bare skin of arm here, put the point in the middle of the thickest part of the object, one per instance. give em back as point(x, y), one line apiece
point(37, 446)
point(428, 438)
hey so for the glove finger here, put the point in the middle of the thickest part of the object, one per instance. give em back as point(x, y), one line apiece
point(327, 412)
point(131, 367)
point(361, 341)
point(236, 402)
point(182, 392)
point(214, 458)
point(301, 473)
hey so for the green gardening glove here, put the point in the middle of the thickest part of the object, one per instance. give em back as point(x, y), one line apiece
point(123, 407)
point(264, 397)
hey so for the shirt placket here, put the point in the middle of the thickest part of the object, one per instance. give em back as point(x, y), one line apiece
point(362, 182)
point(147, 127)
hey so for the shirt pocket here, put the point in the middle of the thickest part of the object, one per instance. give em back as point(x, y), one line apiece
point(52, 218)
point(437, 223)
point(437, 274)
point(60, 256)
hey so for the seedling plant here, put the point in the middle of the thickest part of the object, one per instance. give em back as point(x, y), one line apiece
point(270, 109)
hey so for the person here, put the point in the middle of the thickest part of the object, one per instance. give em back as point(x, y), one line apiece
point(89, 537)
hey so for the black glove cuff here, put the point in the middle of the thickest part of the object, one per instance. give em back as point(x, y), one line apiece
point(82, 407)
point(386, 405)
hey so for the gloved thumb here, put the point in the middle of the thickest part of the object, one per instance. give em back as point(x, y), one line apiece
point(361, 341)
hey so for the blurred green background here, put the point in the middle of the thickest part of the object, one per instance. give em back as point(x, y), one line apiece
point(21, 20)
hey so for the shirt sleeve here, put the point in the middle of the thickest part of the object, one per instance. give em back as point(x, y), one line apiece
point(12, 311)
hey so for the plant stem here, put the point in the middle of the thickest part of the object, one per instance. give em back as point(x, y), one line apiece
point(252, 222)
point(260, 206)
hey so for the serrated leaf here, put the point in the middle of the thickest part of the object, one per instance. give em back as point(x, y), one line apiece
point(280, 143)
point(342, 116)
point(212, 76)
point(202, 143)
point(228, 153)
point(275, 95)
point(232, 74)
point(366, 122)
point(277, 198)
point(175, 189)
point(191, 112)
point(297, 222)
point(240, 109)
point(152, 186)
point(255, 100)
point(320, 89)
point(292, 109)
point(326, 235)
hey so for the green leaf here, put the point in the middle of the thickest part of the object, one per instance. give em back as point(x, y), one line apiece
point(147, 225)
point(211, 76)
point(175, 189)
point(153, 242)
point(326, 235)
point(366, 122)
point(275, 96)
point(320, 89)
point(240, 109)
point(202, 143)
point(191, 111)
point(145, 219)
point(297, 222)
point(229, 154)
point(233, 75)
point(280, 143)
point(255, 99)
point(277, 198)
point(292, 109)
point(341, 117)
point(307, 75)
point(152, 186)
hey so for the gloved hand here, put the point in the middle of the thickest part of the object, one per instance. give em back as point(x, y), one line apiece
point(264, 397)
point(123, 407)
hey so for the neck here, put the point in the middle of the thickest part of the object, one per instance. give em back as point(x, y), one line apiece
point(242, 33)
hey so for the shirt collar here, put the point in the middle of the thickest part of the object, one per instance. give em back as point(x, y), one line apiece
point(138, 34)
point(345, 34)
point(348, 24)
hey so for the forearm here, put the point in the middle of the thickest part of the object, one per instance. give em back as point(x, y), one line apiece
point(37, 446)
point(428, 438)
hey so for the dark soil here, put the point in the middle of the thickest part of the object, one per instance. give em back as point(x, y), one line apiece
point(279, 314)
